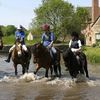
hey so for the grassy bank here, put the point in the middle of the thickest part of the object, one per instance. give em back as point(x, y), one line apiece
point(93, 54)
point(9, 40)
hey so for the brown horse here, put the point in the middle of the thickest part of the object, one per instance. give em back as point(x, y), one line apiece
point(1, 44)
point(19, 56)
point(42, 58)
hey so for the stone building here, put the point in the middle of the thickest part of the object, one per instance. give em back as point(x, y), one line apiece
point(92, 32)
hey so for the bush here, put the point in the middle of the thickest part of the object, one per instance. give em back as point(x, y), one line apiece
point(93, 54)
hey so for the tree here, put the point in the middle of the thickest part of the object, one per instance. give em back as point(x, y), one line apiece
point(61, 15)
point(10, 30)
point(83, 15)
point(1, 33)
point(53, 12)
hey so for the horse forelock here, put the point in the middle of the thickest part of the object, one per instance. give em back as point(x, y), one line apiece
point(18, 49)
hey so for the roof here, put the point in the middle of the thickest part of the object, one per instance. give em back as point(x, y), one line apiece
point(98, 18)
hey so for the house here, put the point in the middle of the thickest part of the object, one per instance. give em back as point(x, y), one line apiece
point(92, 31)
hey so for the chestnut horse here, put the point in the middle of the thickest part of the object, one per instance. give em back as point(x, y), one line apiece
point(19, 56)
point(42, 58)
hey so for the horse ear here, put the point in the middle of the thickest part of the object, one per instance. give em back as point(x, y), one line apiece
point(41, 43)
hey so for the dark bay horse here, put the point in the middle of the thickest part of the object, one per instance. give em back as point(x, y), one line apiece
point(74, 65)
point(42, 58)
point(19, 56)
point(1, 44)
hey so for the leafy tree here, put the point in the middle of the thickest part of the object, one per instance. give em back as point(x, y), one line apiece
point(10, 30)
point(61, 15)
point(53, 12)
point(1, 33)
point(83, 16)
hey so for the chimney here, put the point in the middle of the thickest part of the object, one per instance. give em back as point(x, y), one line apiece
point(95, 9)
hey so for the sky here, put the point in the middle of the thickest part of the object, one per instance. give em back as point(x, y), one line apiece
point(21, 12)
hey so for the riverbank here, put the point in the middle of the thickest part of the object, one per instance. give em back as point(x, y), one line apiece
point(92, 53)
point(60, 46)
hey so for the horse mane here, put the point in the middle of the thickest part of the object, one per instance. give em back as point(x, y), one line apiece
point(41, 49)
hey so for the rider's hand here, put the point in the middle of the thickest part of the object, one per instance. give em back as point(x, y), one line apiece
point(49, 46)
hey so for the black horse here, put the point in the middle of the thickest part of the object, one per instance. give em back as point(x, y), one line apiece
point(74, 65)
point(42, 58)
point(1, 44)
point(19, 56)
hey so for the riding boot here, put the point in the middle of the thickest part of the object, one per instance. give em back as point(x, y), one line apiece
point(9, 56)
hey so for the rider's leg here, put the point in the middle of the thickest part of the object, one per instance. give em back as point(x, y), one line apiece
point(24, 47)
point(10, 52)
point(54, 53)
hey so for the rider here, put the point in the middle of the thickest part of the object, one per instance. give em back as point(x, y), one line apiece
point(48, 40)
point(75, 44)
point(19, 35)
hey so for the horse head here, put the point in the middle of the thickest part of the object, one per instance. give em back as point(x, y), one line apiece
point(71, 62)
point(67, 56)
point(18, 49)
point(37, 49)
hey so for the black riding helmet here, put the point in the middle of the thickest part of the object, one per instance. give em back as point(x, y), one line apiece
point(75, 34)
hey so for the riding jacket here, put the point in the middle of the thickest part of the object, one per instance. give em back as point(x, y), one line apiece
point(20, 35)
point(47, 39)
point(75, 45)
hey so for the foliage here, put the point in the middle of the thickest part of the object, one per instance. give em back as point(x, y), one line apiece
point(61, 15)
point(54, 12)
point(8, 30)
point(12, 39)
point(93, 54)
point(1, 34)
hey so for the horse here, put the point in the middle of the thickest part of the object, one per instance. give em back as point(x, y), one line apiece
point(1, 44)
point(74, 65)
point(19, 56)
point(42, 58)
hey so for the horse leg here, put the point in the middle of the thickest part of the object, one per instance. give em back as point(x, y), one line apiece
point(27, 67)
point(36, 70)
point(23, 69)
point(84, 63)
point(46, 74)
point(55, 70)
point(51, 69)
point(59, 68)
point(86, 69)
point(15, 66)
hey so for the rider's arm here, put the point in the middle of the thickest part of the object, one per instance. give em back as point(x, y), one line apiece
point(42, 38)
point(52, 40)
point(78, 49)
point(80, 44)
point(70, 43)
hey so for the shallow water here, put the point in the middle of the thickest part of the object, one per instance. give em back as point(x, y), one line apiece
point(31, 87)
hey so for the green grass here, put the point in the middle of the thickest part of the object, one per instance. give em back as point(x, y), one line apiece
point(9, 40)
point(93, 54)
